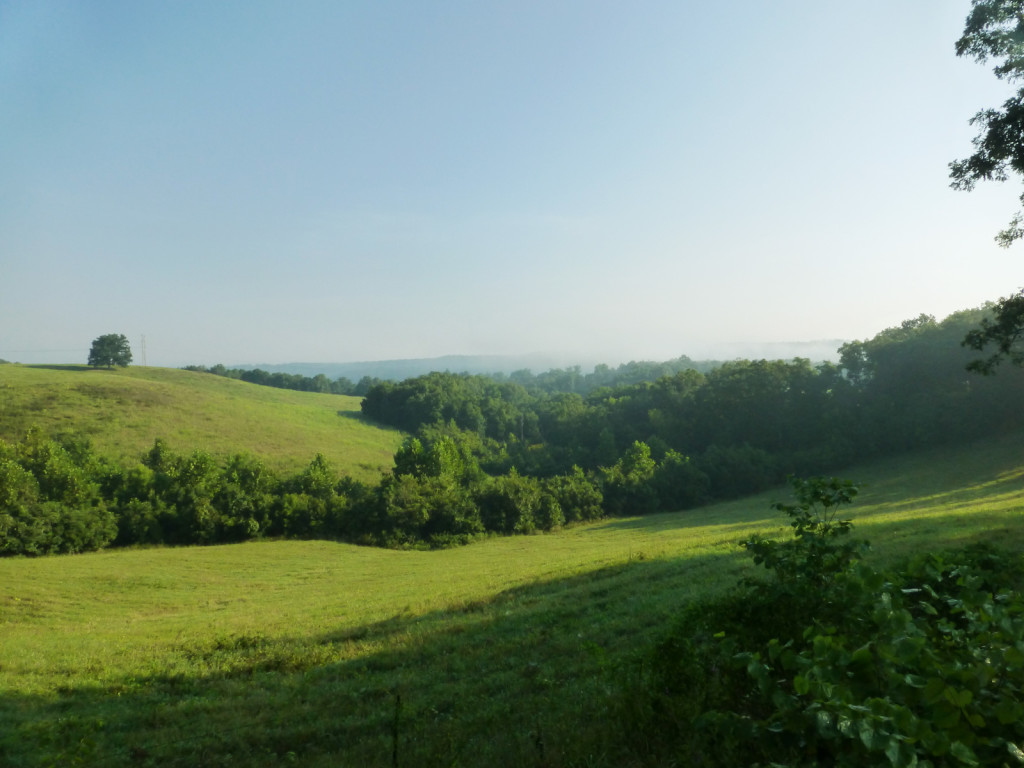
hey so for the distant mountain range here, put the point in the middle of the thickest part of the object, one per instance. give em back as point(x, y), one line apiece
point(396, 370)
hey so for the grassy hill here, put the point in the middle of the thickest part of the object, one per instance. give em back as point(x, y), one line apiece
point(322, 654)
point(123, 411)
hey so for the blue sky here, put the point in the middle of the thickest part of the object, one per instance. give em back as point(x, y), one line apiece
point(270, 182)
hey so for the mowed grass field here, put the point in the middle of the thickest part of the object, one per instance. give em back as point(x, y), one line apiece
point(505, 652)
point(123, 411)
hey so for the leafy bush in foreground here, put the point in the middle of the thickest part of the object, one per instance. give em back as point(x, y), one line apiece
point(832, 663)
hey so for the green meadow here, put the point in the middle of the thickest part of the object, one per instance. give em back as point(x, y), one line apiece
point(122, 412)
point(505, 652)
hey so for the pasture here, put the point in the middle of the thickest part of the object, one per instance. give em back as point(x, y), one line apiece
point(122, 411)
point(505, 652)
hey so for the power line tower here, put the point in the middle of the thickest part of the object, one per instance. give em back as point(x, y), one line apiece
point(142, 350)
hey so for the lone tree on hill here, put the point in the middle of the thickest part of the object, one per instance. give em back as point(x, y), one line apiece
point(110, 350)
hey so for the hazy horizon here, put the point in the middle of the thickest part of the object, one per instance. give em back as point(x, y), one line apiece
point(817, 350)
point(317, 181)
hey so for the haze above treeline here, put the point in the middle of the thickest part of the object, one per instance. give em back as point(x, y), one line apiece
point(815, 351)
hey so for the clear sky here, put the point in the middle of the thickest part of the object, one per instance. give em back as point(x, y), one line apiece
point(316, 180)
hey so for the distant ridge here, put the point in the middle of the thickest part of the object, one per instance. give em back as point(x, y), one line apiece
point(404, 369)
point(396, 370)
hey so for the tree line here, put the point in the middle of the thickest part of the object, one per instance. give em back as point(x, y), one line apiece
point(58, 496)
point(570, 379)
point(295, 381)
point(486, 457)
point(744, 424)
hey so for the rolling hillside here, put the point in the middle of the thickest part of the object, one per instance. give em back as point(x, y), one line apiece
point(322, 654)
point(123, 411)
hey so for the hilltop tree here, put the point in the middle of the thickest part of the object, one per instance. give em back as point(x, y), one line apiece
point(110, 350)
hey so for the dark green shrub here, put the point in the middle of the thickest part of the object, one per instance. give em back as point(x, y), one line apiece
point(679, 483)
point(509, 504)
point(49, 504)
point(139, 522)
point(578, 499)
point(549, 513)
point(738, 470)
point(629, 484)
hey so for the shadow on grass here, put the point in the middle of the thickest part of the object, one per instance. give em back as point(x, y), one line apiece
point(971, 469)
point(721, 523)
point(520, 679)
point(526, 678)
point(358, 416)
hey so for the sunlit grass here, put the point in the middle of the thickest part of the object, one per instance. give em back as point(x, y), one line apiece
point(500, 653)
point(123, 411)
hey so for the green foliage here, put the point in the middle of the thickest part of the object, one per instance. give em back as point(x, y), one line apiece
point(110, 350)
point(48, 503)
point(511, 504)
point(319, 383)
point(472, 403)
point(994, 30)
point(679, 483)
point(818, 553)
point(744, 424)
point(245, 496)
point(911, 389)
point(412, 459)
point(1004, 330)
point(834, 663)
point(405, 510)
point(54, 500)
point(578, 499)
point(738, 470)
point(628, 486)
point(673, 444)
point(637, 484)
point(929, 673)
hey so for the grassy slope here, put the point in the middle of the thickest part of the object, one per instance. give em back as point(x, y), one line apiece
point(494, 654)
point(123, 411)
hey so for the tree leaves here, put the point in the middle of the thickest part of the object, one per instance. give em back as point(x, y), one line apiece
point(110, 350)
point(995, 30)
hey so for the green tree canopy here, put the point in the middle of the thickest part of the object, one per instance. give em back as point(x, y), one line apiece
point(995, 30)
point(109, 350)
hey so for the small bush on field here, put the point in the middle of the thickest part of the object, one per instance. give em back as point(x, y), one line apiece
point(830, 662)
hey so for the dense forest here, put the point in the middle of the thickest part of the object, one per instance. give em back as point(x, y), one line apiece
point(488, 455)
point(744, 423)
